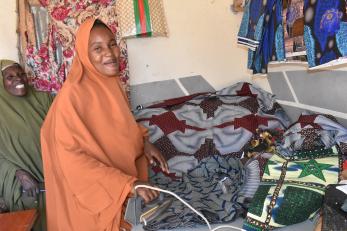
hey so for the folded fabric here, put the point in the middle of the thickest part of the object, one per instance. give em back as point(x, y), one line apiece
point(312, 131)
point(292, 189)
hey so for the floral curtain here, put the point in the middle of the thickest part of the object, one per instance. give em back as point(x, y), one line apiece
point(48, 59)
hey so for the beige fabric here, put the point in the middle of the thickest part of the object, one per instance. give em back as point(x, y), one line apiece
point(26, 26)
point(158, 20)
point(125, 12)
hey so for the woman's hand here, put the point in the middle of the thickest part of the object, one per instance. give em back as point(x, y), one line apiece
point(153, 155)
point(3, 207)
point(29, 184)
point(146, 194)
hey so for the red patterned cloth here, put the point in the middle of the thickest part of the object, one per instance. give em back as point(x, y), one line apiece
point(192, 128)
point(64, 19)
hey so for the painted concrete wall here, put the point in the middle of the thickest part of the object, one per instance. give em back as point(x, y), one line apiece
point(299, 90)
point(8, 25)
point(202, 41)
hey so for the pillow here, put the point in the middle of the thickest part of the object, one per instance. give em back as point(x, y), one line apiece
point(292, 189)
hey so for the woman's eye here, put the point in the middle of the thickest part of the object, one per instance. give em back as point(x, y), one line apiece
point(113, 44)
point(10, 77)
point(97, 49)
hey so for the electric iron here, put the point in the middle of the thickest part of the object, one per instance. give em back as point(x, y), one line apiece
point(139, 213)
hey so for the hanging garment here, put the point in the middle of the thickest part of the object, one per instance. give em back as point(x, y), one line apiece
point(141, 18)
point(271, 46)
point(293, 24)
point(325, 32)
point(252, 24)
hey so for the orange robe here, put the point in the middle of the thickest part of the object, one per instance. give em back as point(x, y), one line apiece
point(92, 148)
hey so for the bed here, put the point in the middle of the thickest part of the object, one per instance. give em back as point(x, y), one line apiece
point(200, 133)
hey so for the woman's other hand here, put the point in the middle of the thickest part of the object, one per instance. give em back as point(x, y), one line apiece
point(153, 155)
point(3, 207)
point(29, 184)
point(146, 194)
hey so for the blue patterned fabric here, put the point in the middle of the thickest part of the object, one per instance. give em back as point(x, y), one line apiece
point(325, 31)
point(271, 38)
point(252, 23)
point(212, 188)
point(341, 39)
point(263, 32)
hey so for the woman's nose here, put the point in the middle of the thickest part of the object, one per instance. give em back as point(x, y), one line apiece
point(19, 76)
point(109, 52)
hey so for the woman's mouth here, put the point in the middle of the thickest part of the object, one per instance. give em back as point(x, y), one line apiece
point(111, 62)
point(20, 86)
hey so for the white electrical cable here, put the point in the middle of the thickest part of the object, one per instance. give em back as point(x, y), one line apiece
point(189, 206)
point(226, 226)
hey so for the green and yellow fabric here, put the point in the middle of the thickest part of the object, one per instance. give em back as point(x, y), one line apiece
point(292, 189)
point(141, 18)
point(20, 123)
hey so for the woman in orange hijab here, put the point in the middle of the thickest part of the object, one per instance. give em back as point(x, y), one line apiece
point(93, 150)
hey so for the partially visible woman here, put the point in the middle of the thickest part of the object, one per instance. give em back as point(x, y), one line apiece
point(22, 111)
point(93, 150)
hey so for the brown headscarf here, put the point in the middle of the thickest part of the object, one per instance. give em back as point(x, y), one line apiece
point(92, 148)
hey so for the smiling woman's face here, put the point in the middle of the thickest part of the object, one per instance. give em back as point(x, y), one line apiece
point(103, 51)
point(15, 80)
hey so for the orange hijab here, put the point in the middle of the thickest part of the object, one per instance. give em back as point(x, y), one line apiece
point(92, 148)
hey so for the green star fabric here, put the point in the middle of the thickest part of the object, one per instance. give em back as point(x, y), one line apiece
point(266, 170)
point(312, 167)
point(292, 190)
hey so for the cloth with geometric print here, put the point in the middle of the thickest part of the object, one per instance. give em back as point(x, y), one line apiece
point(188, 129)
point(312, 131)
point(292, 189)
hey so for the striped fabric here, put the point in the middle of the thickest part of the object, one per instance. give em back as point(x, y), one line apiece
point(141, 18)
point(252, 179)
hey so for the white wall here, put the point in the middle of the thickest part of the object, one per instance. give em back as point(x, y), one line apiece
point(8, 26)
point(202, 41)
